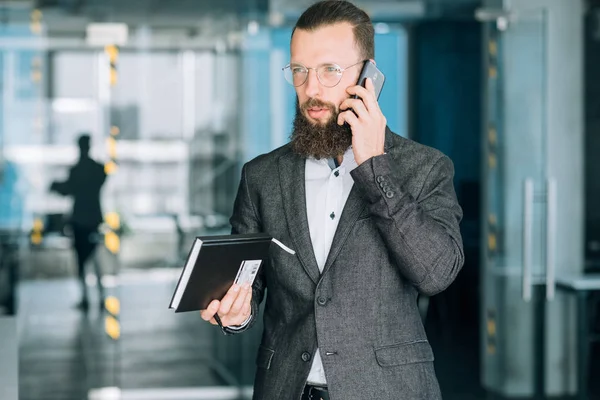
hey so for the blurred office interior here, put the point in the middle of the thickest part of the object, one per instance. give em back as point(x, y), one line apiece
point(177, 94)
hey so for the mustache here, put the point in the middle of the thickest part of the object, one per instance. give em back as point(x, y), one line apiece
point(316, 103)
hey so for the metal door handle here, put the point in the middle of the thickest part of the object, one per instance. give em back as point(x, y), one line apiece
point(550, 239)
point(527, 237)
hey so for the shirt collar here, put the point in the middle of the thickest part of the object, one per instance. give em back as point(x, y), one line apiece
point(316, 168)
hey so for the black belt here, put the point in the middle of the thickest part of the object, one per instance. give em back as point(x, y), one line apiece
point(312, 392)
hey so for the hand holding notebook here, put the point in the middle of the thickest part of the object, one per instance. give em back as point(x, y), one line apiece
point(233, 309)
point(218, 276)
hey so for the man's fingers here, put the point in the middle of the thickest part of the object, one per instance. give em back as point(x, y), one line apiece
point(366, 94)
point(247, 308)
point(369, 85)
point(347, 116)
point(356, 105)
point(230, 298)
point(234, 306)
point(210, 311)
point(237, 306)
point(370, 101)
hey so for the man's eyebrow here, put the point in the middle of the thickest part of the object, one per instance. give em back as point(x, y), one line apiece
point(321, 63)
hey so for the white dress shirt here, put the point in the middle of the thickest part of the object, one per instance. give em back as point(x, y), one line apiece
point(327, 190)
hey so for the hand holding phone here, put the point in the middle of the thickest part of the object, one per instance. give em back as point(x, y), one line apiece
point(367, 122)
point(370, 70)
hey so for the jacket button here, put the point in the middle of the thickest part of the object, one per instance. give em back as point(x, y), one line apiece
point(380, 178)
point(322, 301)
point(306, 356)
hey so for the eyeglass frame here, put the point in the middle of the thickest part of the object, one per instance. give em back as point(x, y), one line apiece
point(342, 70)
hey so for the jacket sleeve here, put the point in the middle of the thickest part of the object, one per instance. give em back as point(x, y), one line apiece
point(64, 188)
point(245, 219)
point(422, 234)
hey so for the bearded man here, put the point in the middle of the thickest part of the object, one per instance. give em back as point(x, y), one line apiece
point(374, 221)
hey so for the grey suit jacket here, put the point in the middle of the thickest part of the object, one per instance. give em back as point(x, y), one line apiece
point(398, 235)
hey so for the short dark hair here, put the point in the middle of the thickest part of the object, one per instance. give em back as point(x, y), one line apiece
point(331, 12)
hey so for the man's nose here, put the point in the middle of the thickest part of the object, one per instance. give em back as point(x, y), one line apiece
point(313, 86)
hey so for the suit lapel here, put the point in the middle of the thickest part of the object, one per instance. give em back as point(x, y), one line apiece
point(352, 210)
point(291, 178)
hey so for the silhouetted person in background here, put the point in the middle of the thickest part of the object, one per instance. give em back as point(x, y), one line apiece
point(84, 183)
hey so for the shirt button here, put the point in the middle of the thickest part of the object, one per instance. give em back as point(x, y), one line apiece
point(380, 178)
point(306, 356)
point(332, 215)
point(322, 301)
point(389, 194)
point(336, 173)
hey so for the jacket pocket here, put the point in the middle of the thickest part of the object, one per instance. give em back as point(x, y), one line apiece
point(264, 357)
point(404, 353)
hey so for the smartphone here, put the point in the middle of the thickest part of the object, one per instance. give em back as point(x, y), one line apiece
point(369, 70)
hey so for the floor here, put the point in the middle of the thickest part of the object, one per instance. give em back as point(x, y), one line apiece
point(68, 355)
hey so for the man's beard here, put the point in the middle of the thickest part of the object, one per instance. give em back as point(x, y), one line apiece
point(319, 140)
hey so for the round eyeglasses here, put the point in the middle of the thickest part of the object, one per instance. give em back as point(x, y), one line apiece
point(328, 74)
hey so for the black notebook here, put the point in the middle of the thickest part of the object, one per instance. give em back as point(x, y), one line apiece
point(215, 263)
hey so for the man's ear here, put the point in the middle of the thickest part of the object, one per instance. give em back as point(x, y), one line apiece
point(373, 61)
